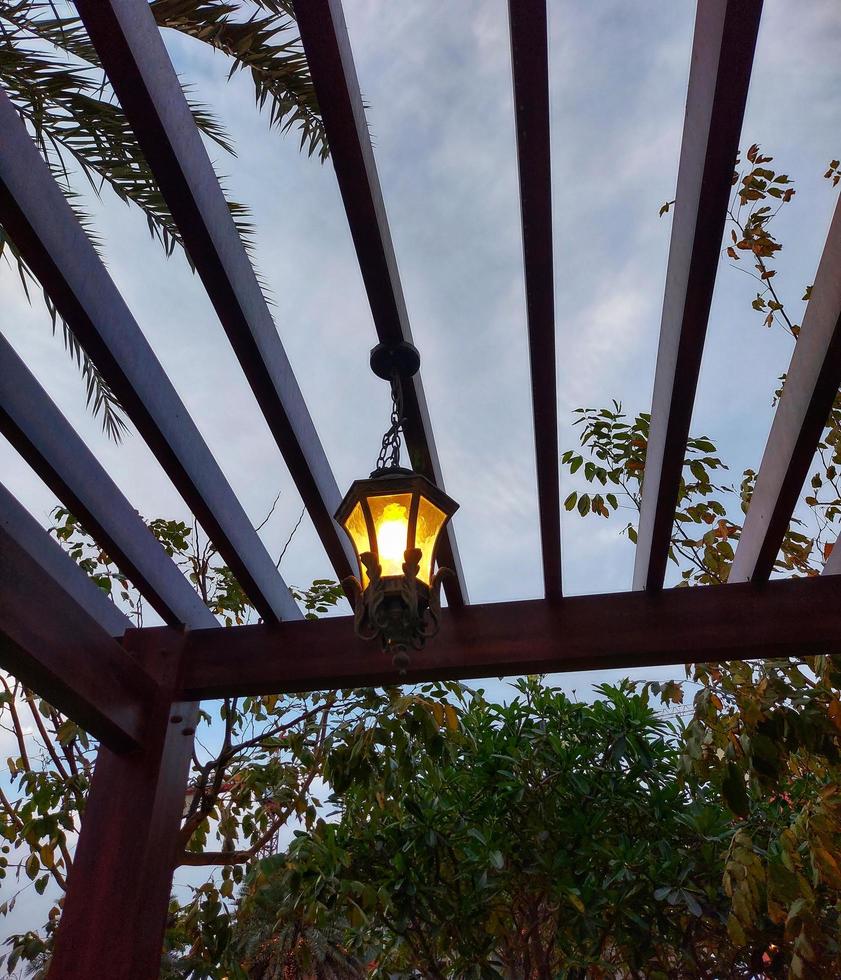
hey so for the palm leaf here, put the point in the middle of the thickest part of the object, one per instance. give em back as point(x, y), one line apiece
point(265, 45)
point(52, 74)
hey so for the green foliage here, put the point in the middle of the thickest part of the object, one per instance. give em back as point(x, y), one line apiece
point(319, 597)
point(767, 734)
point(255, 770)
point(360, 724)
point(764, 735)
point(437, 834)
point(709, 513)
point(278, 71)
point(544, 837)
point(613, 456)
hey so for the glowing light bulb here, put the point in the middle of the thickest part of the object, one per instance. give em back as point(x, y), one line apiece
point(391, 538)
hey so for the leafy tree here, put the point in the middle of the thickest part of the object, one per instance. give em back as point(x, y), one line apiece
point(51, 72)
point(539, 838)
point(542, 838)
point(765, 733)
point(761, 742)
point(256, 765)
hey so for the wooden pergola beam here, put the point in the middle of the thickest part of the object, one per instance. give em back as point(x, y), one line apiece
point(327, 47)
point(722, 57)
point(812, 382)
point(530, 68)
point(41, 223)
point(621, 630)
point(132, 52)
point(20, 526)
point(32, 422)
point(51, 643)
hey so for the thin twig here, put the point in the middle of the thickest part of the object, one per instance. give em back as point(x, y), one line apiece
point(265, 520)
point(289, 539)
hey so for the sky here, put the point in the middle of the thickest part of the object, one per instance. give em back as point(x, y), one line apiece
point(437, 78)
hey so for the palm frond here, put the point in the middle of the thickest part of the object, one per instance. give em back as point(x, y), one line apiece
point(53, 76)
point(278, 68)
point(39, 19)
point(73, 124)
point(99, 397)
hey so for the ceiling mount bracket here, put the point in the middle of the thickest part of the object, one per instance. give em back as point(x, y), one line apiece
point(401, 359)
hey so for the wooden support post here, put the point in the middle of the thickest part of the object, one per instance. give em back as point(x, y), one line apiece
point(118, 892)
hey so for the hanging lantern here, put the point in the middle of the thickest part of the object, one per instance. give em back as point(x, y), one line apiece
point(394, 520)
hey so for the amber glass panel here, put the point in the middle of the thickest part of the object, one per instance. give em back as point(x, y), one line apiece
point(357, 529)
point(390, 513)
point(430, 522)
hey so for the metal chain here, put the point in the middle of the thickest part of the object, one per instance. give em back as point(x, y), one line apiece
point(390, 449)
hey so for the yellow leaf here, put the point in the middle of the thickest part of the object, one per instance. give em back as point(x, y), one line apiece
point(828, 866)
point(776, 912)
point(576, 901)
point(736, 932)
point(227, 888)
point(834, 712)
point(452, 718)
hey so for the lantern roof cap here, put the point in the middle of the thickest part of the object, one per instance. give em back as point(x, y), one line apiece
point(395, 479)
point(383, 472)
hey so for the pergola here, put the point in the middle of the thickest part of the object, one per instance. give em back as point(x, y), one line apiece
point(138, 690)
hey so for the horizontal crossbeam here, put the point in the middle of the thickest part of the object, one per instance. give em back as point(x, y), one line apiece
point(624, 630)
point(53, 645)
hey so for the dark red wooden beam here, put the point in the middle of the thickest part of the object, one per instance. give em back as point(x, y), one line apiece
point(623, 630)
point(328, 51)
point(32, 422)
point(719, 75)
point(39, 220)
point(54, 645)
point(115, 910)
point(19, 525)
point(530, 66)
point(811, 384)
point(133, 54)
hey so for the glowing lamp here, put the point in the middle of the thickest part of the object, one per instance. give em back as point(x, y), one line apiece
point(394, 520)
